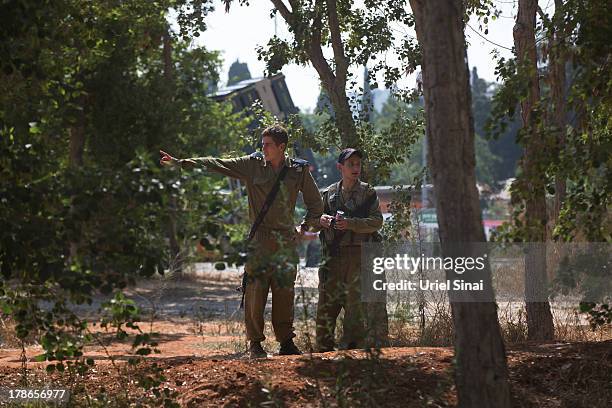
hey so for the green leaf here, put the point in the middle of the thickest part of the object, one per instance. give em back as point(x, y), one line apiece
point(41, 357)
point(145, 351)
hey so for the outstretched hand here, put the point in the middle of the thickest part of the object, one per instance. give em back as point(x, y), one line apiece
point(167, 159)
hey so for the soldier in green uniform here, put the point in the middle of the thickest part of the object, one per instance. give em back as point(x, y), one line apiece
point(342, 235)
point(275, 233)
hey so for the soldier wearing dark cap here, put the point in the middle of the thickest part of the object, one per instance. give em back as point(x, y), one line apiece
point(275, 232)
point(351, 216)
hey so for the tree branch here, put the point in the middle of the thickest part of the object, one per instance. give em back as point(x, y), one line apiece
point(314, 49)
point(338, 47)
point(285, 13)
point(314, 39)
point(543, 15)
point(417, 10)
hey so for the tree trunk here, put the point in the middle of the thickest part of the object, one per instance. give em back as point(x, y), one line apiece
point(76, 147)
point(175, 248)
point(539, 318)
point(557, 120)
point(77, 142)
point(336, 90)
point(481, 375)
point(344, 116)
point(557, 88)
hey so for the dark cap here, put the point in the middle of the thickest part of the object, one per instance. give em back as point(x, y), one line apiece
point(346, 153)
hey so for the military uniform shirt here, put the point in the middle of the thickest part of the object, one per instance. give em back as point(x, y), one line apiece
point(358, 229)
point(259, 177)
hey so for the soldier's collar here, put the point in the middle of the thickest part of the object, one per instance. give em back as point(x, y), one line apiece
point(333, 188)
point(287, 162)
point(355, 186)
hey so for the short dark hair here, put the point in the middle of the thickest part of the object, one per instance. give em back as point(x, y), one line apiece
point(276, 132)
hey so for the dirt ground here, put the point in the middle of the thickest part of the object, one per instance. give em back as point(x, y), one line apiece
point(202, 358)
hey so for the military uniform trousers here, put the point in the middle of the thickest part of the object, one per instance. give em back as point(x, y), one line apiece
point(340, 287)
point(266, 274)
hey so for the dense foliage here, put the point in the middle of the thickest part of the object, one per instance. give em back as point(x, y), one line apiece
point(90, 91)
point(574, 129)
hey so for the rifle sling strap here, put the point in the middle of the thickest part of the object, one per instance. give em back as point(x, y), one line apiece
point(267, 204)
point(260, 217)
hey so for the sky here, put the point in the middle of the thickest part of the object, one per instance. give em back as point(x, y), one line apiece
point(238, 33)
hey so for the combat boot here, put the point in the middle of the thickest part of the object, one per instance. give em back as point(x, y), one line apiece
point(288, 348)
point(256, 351)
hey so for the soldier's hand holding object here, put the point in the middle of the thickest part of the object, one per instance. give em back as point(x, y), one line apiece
point(326, 220)
point(341, 224)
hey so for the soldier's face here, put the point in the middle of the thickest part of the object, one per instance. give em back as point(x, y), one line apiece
point(271, 150)
point(351, 168)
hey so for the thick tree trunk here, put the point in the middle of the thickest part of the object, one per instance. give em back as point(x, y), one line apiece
point(481, 376)
point(539, 318)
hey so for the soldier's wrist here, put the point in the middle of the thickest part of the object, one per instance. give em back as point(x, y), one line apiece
point(185, 163)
